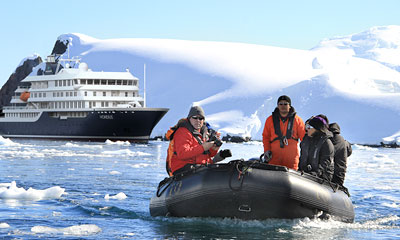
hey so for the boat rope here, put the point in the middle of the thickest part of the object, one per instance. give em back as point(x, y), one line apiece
point(167, 180)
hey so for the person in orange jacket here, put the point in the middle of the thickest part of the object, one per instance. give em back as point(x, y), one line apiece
point(192, 145)
point(281, 134)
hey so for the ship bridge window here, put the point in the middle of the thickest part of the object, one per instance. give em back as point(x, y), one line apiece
point(125, 82)
point(75, 81)
point(111, 82)
point(75, 94)
point(64, 83)
point(104, 94)
point(94, 94)
point(56, 83)
point(126, 94)
point(90, 81)
point(83, 81)
point(69, 82)
point(85, 94)
point(119, 82)
point(96, 82)
point(103, 82)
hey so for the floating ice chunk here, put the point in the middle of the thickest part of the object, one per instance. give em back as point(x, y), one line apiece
point(4, 225)
point(14, 192)
point(119, 196)
point(7, 142)
point(126, 152)
point(78, 230)
point(125, 143)
point(115, 173)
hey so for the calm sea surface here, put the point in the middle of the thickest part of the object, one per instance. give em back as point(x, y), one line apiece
point(106, 187)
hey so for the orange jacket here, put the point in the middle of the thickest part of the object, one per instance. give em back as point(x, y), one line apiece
point(187, 150)
point(288, 155)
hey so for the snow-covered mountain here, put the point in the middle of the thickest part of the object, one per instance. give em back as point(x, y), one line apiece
point(354, 80)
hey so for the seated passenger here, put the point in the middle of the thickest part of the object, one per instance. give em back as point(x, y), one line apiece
point(342, 151)
point(317, 150)
point(191, 142)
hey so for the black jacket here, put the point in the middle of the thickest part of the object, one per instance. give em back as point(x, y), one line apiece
point(317, 153)
point(342, 151)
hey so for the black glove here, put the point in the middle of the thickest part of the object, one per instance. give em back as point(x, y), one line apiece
point(225, 153)
point(221, 155)
point(267, 156)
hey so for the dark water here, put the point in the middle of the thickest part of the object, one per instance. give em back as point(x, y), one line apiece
point(107, 188)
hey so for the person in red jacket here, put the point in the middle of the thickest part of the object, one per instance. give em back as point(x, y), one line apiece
point(281, 135)
point(192, 145)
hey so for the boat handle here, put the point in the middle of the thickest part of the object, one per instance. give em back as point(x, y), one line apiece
point(244, 208)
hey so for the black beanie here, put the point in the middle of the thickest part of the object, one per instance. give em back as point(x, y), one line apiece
point(318, 123)
point(196, 111)
point(286, 98)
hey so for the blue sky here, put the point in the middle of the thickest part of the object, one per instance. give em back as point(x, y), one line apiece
point(29, 27)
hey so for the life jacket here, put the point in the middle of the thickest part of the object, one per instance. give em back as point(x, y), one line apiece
point(170, 136)
point(276, 120)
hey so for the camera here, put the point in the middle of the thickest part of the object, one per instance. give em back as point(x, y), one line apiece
point(213, 137)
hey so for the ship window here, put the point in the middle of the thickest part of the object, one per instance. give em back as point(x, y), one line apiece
point(103, 82)
point(75, 81)
point(44, 94)
point(106, 104)
point(104, 94)
point(124, 82)
point(62, 94)
point(67, 94)
point(64, 83)
point(126, 94)
point(111, 82)
point(90, 81)
point(69, 82)
point(95, 94)
point(102, 104)
point(75, 94)
point(83, 81)
point(119, 82)
point(96, 82)
point(94, 104)
point(54, 94)
point(85, 94)
point(56, 82)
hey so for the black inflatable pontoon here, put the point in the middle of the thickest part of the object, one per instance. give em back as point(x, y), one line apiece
point(249, 190)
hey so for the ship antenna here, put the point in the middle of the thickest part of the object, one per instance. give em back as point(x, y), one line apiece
point(144, 85)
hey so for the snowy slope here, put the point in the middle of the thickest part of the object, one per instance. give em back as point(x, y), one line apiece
point(354, 79)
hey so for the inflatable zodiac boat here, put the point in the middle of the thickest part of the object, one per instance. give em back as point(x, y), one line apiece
point(250, 190)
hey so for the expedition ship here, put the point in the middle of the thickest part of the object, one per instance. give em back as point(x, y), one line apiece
point(74, 102)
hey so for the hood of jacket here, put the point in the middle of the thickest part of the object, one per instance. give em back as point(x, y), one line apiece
point(334, 128)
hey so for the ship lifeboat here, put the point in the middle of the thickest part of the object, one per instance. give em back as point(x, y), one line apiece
point(25, 96)
point(250, 190)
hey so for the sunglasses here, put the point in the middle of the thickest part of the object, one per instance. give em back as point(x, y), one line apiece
point(284, 103)
point(198, 118)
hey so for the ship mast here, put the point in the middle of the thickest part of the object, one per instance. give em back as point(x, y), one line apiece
point(144, 85)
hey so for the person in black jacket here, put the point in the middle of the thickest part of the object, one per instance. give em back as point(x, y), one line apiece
point(342, 151)
point(317, 150)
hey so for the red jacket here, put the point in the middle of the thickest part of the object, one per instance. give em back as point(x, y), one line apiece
point(288, 155)
point(187, 150)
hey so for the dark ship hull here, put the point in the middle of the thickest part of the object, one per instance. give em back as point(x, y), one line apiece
point(247, 190)
point(133, 124)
